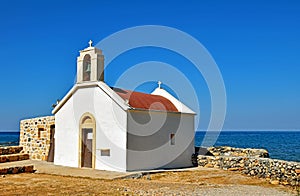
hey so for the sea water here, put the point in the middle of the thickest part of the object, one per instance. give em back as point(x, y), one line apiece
point(284, 145)
point(9, 138)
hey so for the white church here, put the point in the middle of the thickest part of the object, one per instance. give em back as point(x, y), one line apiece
point(109, 128)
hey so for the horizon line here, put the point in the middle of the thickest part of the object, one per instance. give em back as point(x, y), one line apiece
point(204, 130)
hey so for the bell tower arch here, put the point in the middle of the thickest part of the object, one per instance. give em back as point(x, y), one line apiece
point(90, 65)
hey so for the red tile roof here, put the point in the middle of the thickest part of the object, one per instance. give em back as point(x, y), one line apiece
point(146, 101)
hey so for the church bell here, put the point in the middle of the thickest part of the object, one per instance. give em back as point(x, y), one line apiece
point(88, 68)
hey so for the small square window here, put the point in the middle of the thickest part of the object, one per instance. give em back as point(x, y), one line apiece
point(105, 152)
point(172, 138)
point(40, 130)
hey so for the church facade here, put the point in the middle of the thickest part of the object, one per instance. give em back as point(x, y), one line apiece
point(109, 128)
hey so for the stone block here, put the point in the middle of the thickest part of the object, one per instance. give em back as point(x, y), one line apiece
point(28, 169)
point(24, 157)
point(15, 170)
point(12, 158)
point(3, 159)
point(3, 170)
point(21, 169)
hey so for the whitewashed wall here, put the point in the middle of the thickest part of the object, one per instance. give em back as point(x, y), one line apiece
point(110, 129)
point(111, 133)
point(66, 136)
point(150, 148)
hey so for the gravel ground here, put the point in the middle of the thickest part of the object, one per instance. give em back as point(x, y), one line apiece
point(222, 190)
point(196, 182)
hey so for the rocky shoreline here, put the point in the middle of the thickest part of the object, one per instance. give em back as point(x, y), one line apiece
point(14, 143)
point(253, 162)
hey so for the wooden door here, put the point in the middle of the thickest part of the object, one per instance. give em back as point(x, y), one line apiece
point(52, 144)
point(87, 147)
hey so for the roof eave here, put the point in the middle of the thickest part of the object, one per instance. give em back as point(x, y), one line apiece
point(178, 104)
point(161, 111)
point(101, 85)
point(70, 93)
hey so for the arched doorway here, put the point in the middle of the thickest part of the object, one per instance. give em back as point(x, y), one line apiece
point(87, 141)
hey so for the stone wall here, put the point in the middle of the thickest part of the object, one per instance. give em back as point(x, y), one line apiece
point(276, 171)
point(35, 136)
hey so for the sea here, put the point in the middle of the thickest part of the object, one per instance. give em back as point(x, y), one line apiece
point(284, 145)
point(9, 138)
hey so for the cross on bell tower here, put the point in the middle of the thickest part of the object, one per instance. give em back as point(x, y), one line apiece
point(90, 65)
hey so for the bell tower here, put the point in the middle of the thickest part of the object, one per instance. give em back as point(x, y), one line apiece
point(90, 65)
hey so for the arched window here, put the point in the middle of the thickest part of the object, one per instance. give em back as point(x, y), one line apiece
point(87, 68)
point(87, 120)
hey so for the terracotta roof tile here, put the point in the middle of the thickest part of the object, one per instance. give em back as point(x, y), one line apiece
point(146, 101)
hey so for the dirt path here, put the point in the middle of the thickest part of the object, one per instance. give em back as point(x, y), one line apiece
point(197, 182)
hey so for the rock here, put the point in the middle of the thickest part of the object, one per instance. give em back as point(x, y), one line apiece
point(297, 171)
point(209, 165)
point(275, 182)
point(227, 148)
point(293, 183)
point(233, 169)
point(148, 177)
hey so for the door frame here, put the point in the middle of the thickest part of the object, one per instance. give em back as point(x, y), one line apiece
point(87, 121)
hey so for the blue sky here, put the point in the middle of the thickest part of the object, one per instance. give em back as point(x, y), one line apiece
point(256, 45)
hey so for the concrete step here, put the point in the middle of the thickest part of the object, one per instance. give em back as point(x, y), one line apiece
point(13, 157)
point(17, 169)
point(10, 150)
